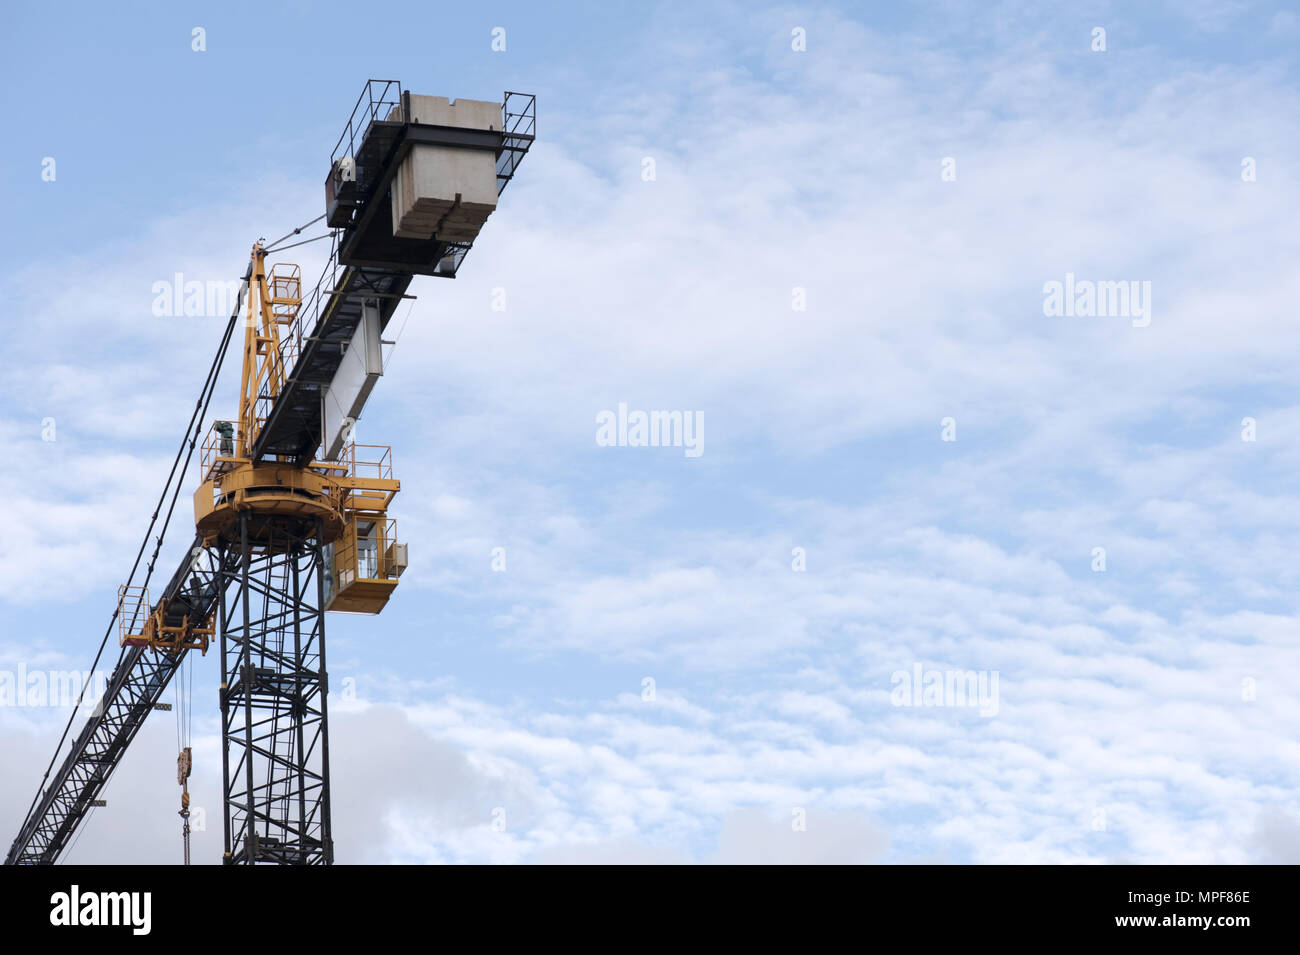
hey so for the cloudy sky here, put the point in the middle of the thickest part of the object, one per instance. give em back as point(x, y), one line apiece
point(828, 234)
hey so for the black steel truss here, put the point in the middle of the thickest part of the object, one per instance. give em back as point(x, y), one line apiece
point(137, 683)
point(275, 758)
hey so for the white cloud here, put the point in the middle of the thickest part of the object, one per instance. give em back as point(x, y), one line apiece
point(1120, 691)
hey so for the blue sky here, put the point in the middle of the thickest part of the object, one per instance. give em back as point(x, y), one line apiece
point(1144, 710)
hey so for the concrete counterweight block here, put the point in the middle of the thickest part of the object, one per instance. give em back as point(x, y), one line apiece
point(467, 113)
point(445, 190)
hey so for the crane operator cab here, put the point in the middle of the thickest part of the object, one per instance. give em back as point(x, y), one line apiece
point(363, 565)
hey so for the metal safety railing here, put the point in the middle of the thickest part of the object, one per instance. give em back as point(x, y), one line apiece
point(219, 449)
point(372, 462)
point(133, 611)
point(519, 129)
point(284, 282)
point(375, 461)
point(376, 101)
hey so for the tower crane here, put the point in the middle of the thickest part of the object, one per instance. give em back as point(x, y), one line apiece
point(291, 516)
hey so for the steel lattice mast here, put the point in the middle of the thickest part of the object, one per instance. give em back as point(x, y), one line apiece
point(275, 752)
